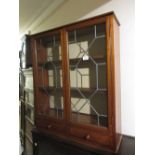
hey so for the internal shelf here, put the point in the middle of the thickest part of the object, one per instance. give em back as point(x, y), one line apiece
point(78, 62)
point(87, 90)
point(50, 89)
point(75, 92)
point(79, 117)
point(89, 119)
point(50, 64)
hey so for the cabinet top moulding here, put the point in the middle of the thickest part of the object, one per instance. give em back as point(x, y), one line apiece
point(93, 20)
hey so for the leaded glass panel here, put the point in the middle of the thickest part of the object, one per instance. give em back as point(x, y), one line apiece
point(50, 84)
point(88, 77)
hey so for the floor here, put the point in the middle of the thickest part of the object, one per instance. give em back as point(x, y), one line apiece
point(127, 146)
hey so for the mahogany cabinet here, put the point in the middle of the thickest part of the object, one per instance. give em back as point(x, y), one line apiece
point(77, 83)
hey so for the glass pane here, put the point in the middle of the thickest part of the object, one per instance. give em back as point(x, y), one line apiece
point(29, 113)
point(50, 76)
point(29, 98)
point(88, 78)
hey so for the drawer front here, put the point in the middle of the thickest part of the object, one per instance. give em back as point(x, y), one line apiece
point(90, 136)
point(46, 124)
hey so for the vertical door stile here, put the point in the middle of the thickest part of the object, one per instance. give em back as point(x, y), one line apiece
point(65, 74)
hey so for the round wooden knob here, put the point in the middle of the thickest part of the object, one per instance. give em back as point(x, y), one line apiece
point(49, 126)
point(35, 144)
point(87, 136)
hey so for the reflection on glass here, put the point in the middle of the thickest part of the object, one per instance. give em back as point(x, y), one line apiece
point(87, 54)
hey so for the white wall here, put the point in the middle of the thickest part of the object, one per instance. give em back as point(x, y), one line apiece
point(72, 11)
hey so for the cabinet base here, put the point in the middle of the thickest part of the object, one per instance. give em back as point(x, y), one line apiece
point(41, 138)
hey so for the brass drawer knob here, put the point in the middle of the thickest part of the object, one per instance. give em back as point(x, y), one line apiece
point(87, 137)
point(35, 144)
point(49, 126)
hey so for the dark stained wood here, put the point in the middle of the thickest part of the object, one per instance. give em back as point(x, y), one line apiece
point(47, 145)
point(88, 136)
point(89, 119)
point(112, 68)
point(66, 78)
point(117, 84)
point(108, 67)
point(109, 79)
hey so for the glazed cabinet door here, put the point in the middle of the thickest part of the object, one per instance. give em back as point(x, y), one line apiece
point(74, 82)
point(48, 81)
point(88, 77)
point(87, 54)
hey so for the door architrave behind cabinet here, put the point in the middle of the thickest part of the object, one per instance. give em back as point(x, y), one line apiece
point(86, 136)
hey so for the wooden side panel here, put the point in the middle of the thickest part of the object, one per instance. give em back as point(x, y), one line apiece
point(109, 76)
point(117, 84)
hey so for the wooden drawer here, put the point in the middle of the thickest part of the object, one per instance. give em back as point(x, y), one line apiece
point(90, 136)
point(44, 123)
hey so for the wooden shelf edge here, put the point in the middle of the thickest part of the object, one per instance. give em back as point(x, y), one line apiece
point(87, 90)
